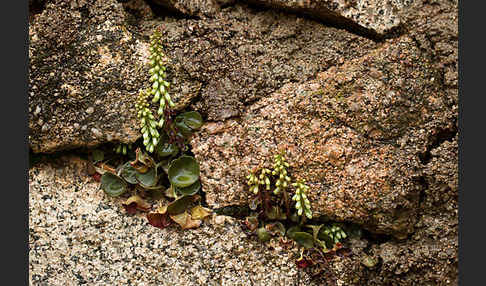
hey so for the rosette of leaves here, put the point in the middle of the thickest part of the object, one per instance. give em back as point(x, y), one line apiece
point(302, 203)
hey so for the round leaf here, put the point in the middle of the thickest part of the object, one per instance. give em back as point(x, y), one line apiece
point(193, 119)
point(183, 171)
point(292, 230)
point(303, 238)
point(112, 184)
point(185, 130)
point(191, 190)
point(148, 179)
point(165, 149)
point(129, 173)
point(263, 234)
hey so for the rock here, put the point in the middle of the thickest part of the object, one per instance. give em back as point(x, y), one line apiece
point(217, 65)
point(376, 17)
point(74, 225)
point(350, 159)
point(242, 55)
point(191, 7)
point(81, 52)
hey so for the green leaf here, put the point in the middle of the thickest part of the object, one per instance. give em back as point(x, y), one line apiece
point(147, 179)
point(128, 173)
point(263, 234)
point(185, 130)
point(98, 155)
point(193, 119)
point(164, 148)
point(183, 171)
point(304, 239)
point(292, 230)
point(112, 184)
point(315, 229)
point(180, 205)
point(190, 190)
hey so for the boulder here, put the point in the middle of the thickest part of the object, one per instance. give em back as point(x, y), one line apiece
point(374, 18)
point(354, 133)
point(88, 61)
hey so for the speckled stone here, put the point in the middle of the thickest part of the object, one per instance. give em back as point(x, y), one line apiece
point(376, 16)
point(216, 65)
point(362, 166)
point(78, 235)
point(191, 7)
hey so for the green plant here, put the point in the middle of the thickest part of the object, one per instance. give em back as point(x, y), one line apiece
point(166, 168)
point(268, 220)
point(122, 148)
point(302, 203)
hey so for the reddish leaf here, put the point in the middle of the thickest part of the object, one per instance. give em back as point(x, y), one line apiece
point(303, 262)
point(158, 220)
point(96, 177)
point(343, 252)
point(130, 208)
point(135, 203)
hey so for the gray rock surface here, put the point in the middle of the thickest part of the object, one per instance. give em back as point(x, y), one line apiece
point(374, 17)
point(191, 7)
point(79, 235)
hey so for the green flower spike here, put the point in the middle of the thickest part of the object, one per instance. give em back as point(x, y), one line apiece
point(302, 202)
point(148, 124)
point(262, 179)
point(280, 170)
point(122, 148)
point(253, 183)
point(159, 85)
point(335, 232)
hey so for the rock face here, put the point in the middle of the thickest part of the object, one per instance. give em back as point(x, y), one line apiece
point(371, 125)
point(78, 235)
point(344, 133)
point(227, 62)
point(375, 17)
point(82, 86)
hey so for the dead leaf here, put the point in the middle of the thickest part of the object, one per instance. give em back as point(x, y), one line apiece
point(135, 203)
point(160, 220)
point(200, 212)
point(185, 221)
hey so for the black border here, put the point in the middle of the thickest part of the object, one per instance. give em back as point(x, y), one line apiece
point(471, 144)
point(15, 190)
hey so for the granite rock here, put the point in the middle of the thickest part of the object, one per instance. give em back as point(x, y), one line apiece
point(355, 134)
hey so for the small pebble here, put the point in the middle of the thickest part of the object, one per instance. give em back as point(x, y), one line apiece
point(219, 220)
point(96, 132)
point(90, 110)
point(37, 110)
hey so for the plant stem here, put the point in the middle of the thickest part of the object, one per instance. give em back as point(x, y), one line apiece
point(286, 202)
